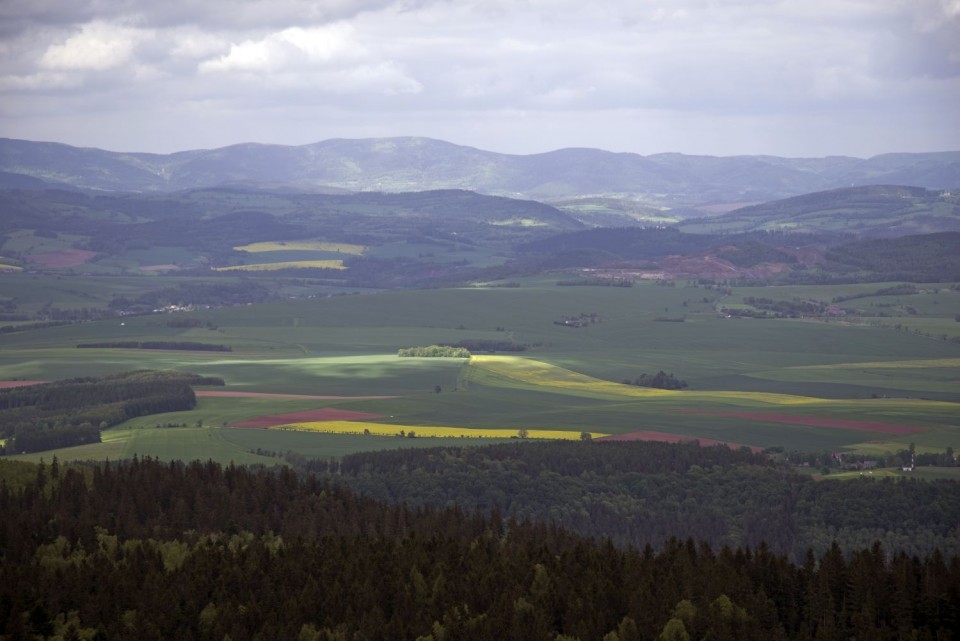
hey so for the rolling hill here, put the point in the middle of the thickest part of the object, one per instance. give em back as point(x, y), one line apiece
point(879, 210)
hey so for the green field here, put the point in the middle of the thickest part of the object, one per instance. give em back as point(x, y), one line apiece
point(569, 378)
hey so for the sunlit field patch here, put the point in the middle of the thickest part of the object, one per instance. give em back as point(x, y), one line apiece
point(385, 429)
point(544, 377)
point(10, 268)
point(272, 246)
point(293, 264)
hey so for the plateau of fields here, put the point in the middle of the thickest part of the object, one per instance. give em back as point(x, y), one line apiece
point(842, 383)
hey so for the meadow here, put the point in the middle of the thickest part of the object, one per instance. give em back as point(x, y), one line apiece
point(800, 384)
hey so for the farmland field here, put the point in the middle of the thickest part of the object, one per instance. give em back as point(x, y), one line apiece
point(796, 383)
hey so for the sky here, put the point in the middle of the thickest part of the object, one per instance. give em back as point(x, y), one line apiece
point(798, 78)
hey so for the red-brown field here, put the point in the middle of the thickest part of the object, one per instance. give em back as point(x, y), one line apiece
point(666, 437)
point(310, 416)
point(9, 384)
point(268, 395)
point(815, 421)
point(65, 258)
point(158, 268)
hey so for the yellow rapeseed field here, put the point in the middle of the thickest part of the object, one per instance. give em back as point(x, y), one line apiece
point(273, 246)
point(544, 376)
point(10, 268)
point(294, 264)
point(385, 429)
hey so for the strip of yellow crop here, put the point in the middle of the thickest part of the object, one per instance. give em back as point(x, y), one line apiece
point(386, 429)
point(548, 377)
point(293, 264)
point(307, 245)
point(910, 364)
point(10, 268)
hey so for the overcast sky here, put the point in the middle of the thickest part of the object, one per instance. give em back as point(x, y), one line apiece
point(719, 77)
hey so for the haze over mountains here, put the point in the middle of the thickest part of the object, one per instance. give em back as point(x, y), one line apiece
point(416, 164)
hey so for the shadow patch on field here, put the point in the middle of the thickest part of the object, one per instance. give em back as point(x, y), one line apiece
point(813, 421)
point(666, 437)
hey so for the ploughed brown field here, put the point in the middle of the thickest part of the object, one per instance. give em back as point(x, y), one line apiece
point(815, 421)
point(65, 258)
point(269, 395)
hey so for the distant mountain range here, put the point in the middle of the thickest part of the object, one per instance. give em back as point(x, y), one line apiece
point(417, 164)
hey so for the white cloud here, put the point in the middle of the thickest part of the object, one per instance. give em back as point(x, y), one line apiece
point(98, 46)
point(295, 46)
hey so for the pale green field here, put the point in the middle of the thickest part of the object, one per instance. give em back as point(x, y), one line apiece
point(295, 245)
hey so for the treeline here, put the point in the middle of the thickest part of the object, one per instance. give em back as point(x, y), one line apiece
point(795, 308)
point(905, 289)
point(188, 346)
point(596, 282)
point(640, 493)
point(73, 412)
point(196, 551)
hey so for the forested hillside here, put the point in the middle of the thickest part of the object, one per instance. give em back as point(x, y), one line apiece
point(640, 493)
point(74, 411)
point(175, 551)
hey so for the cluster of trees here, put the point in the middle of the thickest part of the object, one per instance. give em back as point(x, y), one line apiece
point(188, 346)
point(660, 380)
point(195, 551)
point(905, 289)
point(581, 320)
point(72, 412)
point(434, 351)
point(640, 493)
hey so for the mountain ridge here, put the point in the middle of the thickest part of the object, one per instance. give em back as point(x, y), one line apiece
point(415, 164)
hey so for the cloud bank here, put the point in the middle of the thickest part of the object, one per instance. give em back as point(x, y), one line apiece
point(785, 77)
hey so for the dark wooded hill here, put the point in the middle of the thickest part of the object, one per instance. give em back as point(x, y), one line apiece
point(157, 551)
